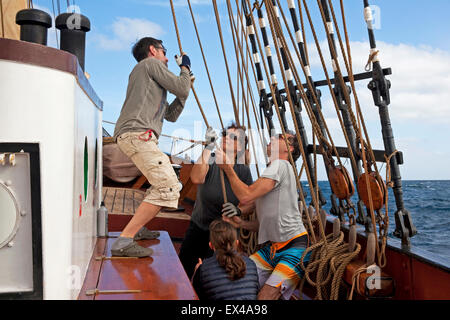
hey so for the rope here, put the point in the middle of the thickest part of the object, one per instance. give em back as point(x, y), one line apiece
point(239, 49)
point(263, 144)
point(373, 56)
point(3, 22)
point(308, 107)
point(206, 65)
point(326, 266)
point(321, 264)
point(249, 239)
point(360, 120)
point(181, 53)
point(279, 119)
point(233, 100)
point(316, 126)
point(184, 150)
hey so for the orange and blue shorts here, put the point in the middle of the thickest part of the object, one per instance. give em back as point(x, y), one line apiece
point(278, 264)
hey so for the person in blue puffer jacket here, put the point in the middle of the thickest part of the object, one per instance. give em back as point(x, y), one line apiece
point(227, 275)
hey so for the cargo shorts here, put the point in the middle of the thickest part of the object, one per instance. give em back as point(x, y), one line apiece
point(155, 166)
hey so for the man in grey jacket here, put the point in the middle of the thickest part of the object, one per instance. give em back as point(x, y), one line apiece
point(137, 131)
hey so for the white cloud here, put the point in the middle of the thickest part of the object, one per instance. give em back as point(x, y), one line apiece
point(127, 31)
point(420, 80)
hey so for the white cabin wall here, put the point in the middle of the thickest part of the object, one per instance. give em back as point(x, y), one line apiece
point(47, 106)
point(87, 123)
point(39, 108)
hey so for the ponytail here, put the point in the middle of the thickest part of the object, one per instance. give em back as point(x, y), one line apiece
point(223, 237)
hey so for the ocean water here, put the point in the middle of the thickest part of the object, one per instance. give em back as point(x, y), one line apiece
point(429, 205)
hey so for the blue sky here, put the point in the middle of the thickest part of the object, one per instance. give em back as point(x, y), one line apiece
point(413, 38)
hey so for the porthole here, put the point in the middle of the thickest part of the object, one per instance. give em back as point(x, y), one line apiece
point(9, 215)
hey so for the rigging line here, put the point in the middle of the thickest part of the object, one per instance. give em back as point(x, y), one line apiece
point(211, 82)
point(249, 86)
point(339, 76)
point(206, 65)
point(244, 69)
point(260, 132)
point(301, 92)
point(182, 151)
point(356, 125)
point(333, 51)
point(234, 32)
point(219, 28)
point(181, 53)
point(245, 63)
point(265, 105)
point(363, 153)
point(365, 164)
point(196, 97)
point(310, 86)
point(272, 17)
point(304, 58)
point(309, 110)
point(358, 109)
point(272, 89)
point(2, 17)
point(183, 139)
point(56, 30)
point(238, 71)
point(351, 77)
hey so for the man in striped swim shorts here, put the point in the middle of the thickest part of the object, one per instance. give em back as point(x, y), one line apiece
point(281, 232)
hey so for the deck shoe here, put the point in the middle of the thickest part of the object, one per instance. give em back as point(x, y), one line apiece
point(132, 250)
point(145, 234)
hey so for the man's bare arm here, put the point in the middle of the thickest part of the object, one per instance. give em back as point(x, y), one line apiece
point(201, 167)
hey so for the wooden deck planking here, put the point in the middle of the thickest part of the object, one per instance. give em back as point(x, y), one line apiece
point(128, 207)
point(125, 202)
point(119, 200)
point(109, 198)
point(94, 269)
point(150, 275)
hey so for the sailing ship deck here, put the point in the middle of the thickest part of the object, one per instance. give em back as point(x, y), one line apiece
point(150, 276)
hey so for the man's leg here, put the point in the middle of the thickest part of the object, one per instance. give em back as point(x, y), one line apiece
point(145, 212)
point(164, 190)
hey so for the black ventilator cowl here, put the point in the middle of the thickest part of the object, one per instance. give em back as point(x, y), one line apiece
point(33, 25)
point(73, 28)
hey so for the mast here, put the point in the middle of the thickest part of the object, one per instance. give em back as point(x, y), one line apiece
point(404, 227)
